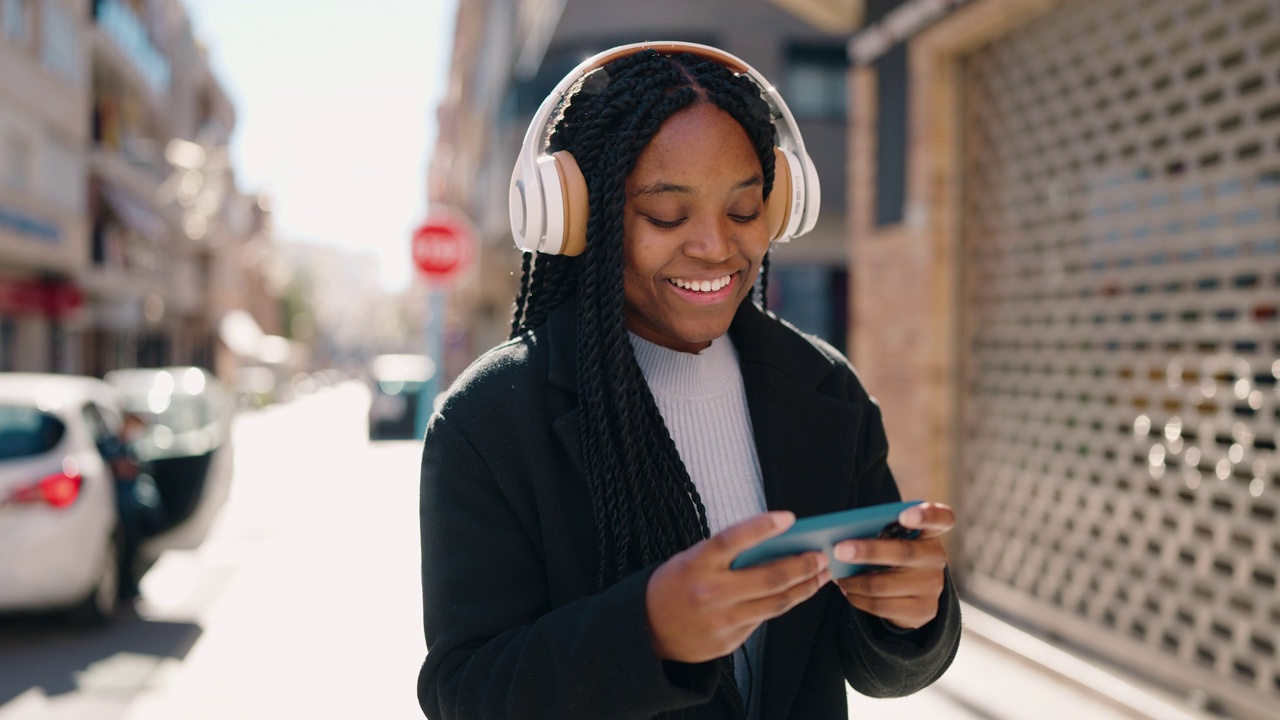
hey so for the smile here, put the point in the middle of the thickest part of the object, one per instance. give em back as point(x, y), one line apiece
point(701, 286)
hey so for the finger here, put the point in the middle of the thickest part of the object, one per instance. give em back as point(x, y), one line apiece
point(727, 544)
point(894, 583)
point(931, 519)
point(780, 575)
point(920, 553)
point(758, 610)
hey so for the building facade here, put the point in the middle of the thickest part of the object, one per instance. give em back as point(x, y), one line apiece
point(44, 132)
point(118, 206)
point(1073, 209)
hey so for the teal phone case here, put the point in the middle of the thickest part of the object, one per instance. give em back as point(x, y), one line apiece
point(822, 532)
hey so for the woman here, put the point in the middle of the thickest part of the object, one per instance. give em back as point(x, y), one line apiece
point(586, 485)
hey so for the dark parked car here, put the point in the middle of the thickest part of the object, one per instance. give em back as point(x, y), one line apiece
point(397, 382)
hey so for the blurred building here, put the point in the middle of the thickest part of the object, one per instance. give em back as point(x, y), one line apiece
point(344, 315)
point(509, 54)
point(118, 207)
point(44, 134)
point(1073, 210)
point(246, 295)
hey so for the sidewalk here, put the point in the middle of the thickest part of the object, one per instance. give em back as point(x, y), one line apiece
point(1002, 673)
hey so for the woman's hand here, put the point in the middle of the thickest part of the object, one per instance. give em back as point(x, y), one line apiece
point(907, 592)
point(700, 610)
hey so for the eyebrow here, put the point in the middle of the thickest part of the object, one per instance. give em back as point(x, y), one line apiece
point(659, 187)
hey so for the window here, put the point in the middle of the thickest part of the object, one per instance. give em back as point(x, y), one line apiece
point(100, 424)
point(26, 431)
point(17, 162)
point(813, 297)
point(815, 80)
point(8, 344)
point(15, 15)
point(59, 44)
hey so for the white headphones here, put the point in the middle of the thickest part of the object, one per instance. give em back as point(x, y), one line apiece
point(548, 197)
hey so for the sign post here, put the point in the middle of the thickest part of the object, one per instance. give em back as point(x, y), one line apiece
point(442, 248)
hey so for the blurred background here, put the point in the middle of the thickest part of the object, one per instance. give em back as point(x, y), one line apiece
point(1050, 243)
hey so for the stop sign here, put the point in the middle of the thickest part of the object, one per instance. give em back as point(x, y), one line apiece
point(443, 244)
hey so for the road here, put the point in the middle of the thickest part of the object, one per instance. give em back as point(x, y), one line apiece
point(304, 602)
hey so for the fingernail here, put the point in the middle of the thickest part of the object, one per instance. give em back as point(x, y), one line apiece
point(783, 518)
point(912, 516)
point(846, 552)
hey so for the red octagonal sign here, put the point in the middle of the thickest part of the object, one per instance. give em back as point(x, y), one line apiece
point(443, 244)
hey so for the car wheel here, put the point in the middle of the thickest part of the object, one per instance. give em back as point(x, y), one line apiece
point(100, 606)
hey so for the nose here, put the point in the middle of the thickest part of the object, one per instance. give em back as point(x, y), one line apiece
point(711, 241)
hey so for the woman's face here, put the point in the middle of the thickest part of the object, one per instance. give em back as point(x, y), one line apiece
point(694, 231)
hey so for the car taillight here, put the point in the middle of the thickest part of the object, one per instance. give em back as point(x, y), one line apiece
point(58, 490)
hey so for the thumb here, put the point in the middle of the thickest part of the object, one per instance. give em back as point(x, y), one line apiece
point(727, 544)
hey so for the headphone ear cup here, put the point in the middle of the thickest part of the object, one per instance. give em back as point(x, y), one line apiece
point(523, 196)
point(551, 240)
point(576, 206)
point(777, 209)
point(812, 198)
point(564, 206)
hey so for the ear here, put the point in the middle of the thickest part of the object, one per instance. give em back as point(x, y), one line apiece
point(777, 209)
point(576, 205)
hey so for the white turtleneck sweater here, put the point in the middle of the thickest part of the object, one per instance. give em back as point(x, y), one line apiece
point(704, 405)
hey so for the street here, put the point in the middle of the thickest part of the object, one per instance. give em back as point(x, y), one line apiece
point(304, 602)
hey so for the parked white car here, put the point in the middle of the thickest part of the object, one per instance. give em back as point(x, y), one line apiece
point(59, 534)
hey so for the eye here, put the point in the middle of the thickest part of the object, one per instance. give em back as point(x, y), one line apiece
point(665, 223)
point(745, 218)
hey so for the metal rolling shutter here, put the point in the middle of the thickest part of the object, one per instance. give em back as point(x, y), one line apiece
point(1119, 480)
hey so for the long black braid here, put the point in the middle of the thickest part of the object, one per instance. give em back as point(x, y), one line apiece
point(646, 506)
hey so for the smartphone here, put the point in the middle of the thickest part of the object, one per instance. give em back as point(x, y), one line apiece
point(822, 532)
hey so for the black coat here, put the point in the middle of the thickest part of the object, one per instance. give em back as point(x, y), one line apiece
point(514, 626)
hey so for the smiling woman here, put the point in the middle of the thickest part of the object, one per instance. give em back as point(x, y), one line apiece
point(587, 485)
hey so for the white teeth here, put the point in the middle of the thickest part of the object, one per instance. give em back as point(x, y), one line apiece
point(701, 285)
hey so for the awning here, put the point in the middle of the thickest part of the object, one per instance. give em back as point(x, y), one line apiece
point(48, 298)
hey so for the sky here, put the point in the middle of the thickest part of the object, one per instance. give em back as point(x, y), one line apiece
point(335, 113)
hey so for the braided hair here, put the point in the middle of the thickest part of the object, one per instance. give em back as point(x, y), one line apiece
point(645, 505)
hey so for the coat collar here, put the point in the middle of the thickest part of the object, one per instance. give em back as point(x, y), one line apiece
point(760, 338)
point(562, 336)
point(805, 437)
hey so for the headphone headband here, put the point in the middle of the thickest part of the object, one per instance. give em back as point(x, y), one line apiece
point(533, 216)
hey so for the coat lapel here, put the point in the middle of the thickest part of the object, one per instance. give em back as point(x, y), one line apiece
point(806, 438)
point(562, 373)
point(807, 444)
